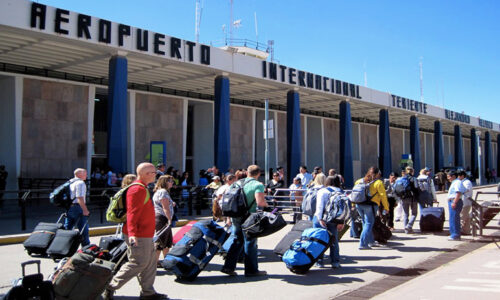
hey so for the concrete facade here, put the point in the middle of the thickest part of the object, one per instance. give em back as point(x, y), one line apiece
point(332, 150)
point(369, 146)
point(54, 128)
point(241, 136)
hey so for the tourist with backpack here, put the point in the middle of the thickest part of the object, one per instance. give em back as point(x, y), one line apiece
point(309, 201)
point(331, 190)
point(455, 204)
point(368, 194)
point(78, 211)
point(406, 189)
point(391, 198)
point(253, 193)
point(427, 193)
point(138, 231)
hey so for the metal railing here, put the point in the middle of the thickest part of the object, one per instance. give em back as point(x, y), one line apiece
point(484, 212)
point(18, 202)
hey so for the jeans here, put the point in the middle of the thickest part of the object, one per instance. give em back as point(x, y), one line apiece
point(366, 211)
point(390, 217)
point(74, 214)
point(407, 205)
point(241, 243)
point(334, 248)
point(455, 218)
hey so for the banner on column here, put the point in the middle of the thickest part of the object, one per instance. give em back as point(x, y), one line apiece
point(158, 150)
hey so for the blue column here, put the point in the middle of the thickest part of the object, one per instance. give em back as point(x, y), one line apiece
point(473, 153)
point(293, 133)
point(438, 147)
point(346, 144)
point(222, 151)
point(384, 146)
point(459, 154)
point(117, 114)
point(415, 143)
point(498, 155)
point(488, 162)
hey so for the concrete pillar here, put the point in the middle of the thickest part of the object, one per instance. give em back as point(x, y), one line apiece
point(415, 143)
point(346, 168)
point(117, 114)
point(488, 161)
point(222, 135)
point(384, 145)
point(438, 146)
point(459, 154)
point(474, 164)
point(293, 133)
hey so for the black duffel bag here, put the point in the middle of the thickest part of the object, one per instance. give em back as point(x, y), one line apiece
point(260, 224)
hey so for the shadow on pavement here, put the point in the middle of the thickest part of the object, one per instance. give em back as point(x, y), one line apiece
point(354, 259)
point(423, 249)
point(315, 277)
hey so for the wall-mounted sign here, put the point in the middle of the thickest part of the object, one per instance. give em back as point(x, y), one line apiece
point(158, 150)
point(454, 116)
point(409, 104)
point(305, 79)
point(485, 124)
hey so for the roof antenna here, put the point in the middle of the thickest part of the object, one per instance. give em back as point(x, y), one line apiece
point(198, 11)
point(366, 76)
point(421, 63)
point(256, 29)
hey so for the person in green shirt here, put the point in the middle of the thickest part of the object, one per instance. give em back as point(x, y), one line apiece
point(254, 193)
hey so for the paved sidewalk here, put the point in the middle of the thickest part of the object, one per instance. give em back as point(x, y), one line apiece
point(360, 269)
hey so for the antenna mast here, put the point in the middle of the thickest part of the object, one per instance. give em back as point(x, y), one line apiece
point(256, 28)
point(421, 79)
point(231, 25)
point(199, 9)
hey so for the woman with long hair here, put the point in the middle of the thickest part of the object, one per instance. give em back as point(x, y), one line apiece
point(367, 210)
point(164, 212)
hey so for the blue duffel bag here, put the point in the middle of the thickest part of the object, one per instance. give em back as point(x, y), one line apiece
point(305, 252)
point(194, 251)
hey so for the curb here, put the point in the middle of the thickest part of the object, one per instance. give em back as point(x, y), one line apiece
point(96, 231)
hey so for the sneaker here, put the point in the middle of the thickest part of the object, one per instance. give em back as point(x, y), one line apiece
point(258, 273)
point(155, 296)
point(397, 220)
point(336, 265)
point(108, 294)
point(409, 230)
point(374, 244)
point(319, 264)
point(228, 272)
point(453, 239)
point(364, 248)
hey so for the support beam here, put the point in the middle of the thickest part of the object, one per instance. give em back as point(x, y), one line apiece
point(438, 147)
point(459, 154)
point(498, 155)
point(222, 135)
point(117, 114)
point(293, 133)
point(384, 145)
point(415, 143)
point(474, 164)
point(346, 168)
point(488, 161)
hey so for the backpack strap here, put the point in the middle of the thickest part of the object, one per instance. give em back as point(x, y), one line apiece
point(309, 255)
point(313, 239)
point(138, 183)
point(243, 183)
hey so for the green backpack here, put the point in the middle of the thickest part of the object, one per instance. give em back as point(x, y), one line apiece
point(117, 209)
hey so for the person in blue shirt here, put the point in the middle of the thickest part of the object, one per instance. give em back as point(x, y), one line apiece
point(455, 204)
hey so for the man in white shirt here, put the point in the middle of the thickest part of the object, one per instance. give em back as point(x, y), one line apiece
point(78, 211)
point(467, 197)
point(305, 177)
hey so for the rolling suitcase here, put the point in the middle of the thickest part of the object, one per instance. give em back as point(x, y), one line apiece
point(381, 233)
point(194, 251)
point(65, 242)
point(41, 237)
point(31, 286)
point(305, 252)
point(432, 219)
point(292, 236)
point(261, 224)
point(180, 233)
point(111, 242)
point(82, 277)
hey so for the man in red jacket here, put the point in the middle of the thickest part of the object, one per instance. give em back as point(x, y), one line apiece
point(139, 231)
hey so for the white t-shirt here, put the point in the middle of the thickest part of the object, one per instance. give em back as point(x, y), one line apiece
point(160, 194)
point(468, 193)
point(78, 188)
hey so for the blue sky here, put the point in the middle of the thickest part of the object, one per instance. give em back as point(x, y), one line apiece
point(458, 40)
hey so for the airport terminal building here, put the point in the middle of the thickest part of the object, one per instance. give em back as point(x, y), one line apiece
point(79, 91)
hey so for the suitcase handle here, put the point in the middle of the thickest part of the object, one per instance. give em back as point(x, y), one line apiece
point(30, 262)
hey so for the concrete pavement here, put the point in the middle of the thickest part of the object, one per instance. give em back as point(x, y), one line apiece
point(360, 270)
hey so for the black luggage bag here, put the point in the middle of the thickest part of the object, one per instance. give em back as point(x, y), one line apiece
point(432, 219)
point(111, 242)
point(261, 224)
point(381, 233)
point(41, 237)
point(31, 286)
point(292, 236)
point(65, 242)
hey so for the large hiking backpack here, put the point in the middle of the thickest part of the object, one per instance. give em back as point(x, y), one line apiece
point(117, 209)
point(424, 196)
point(361, 193)
point(337, 209)
point(61, 196)
point(402, 187)
point(309, 202)
point(234, 202)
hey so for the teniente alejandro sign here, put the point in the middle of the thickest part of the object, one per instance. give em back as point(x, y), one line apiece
point(66, 23)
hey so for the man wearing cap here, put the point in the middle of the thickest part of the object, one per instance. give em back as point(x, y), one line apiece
point(455, 204)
